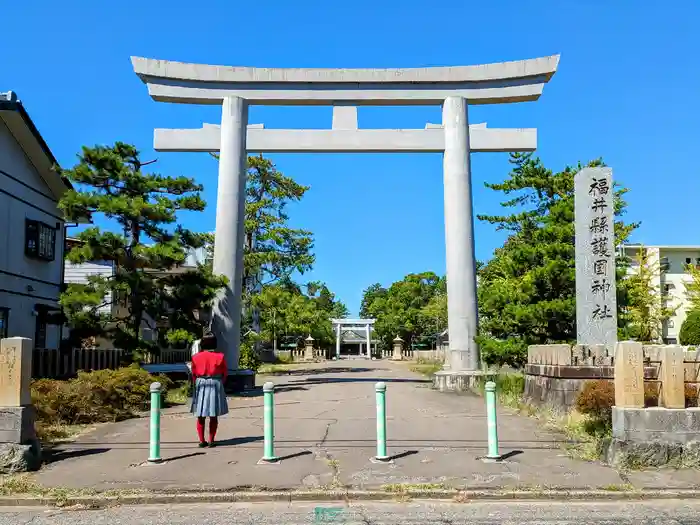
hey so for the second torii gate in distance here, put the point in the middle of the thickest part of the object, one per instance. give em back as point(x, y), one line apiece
point(236, 88)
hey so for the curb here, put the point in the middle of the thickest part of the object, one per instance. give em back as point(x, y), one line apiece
point(350, 496)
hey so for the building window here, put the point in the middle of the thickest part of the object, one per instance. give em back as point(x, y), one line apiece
point(39, 240)
point(4, 318)
point(687, 260)
point(671, 341)
point(670, 323)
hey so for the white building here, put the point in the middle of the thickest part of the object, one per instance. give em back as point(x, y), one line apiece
point(32, 229)
point(671, 262)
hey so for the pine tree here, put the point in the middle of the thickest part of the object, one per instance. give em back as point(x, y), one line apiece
point(144, 242)
point(527, 290)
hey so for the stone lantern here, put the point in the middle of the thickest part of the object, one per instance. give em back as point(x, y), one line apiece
point(398, 349)
point(309, 348)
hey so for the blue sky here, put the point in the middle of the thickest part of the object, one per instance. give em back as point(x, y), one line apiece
point(627, 90)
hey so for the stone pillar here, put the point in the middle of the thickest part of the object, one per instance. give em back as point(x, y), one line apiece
point(462, 313)
point(369, 342)
point(398, 349)
point(337, 341)
point(672, 376)
point(309, 348)
point(19, 447)
point(230, 226)
point(629, 375)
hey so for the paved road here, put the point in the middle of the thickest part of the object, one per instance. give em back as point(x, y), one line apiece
point(550, 513)
point(325, 430)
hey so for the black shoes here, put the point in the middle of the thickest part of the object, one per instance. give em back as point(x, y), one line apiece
point(203, 444)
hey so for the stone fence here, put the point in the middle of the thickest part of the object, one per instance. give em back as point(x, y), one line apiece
point(555, 374)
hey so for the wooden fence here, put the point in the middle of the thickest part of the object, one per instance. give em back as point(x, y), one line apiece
point(55, 364)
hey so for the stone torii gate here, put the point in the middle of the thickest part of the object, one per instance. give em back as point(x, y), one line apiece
point(236, 88)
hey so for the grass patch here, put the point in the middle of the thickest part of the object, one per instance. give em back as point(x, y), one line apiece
point(618, 488)
point(277, 368)
point(403, 488)
point(58, 433)
point(24, 485)
point(180, 394)
point(426, 367)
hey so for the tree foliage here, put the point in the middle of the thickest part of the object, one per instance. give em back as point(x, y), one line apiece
point(648, 306)
point(287, 311)
point(690, 329)
point(143, 242)
point(412, 308)
point(527, 290)
point(692, 286)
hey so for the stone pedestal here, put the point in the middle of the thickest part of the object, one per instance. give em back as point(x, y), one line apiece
point(397, 354)
point(457, 381)
point(654, 437)
point(20, 450)
point(309, 348)
point(240, 380)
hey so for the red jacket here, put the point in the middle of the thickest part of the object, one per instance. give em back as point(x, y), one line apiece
point(207, 363)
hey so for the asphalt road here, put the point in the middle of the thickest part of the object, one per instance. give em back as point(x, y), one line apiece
point(668, 512)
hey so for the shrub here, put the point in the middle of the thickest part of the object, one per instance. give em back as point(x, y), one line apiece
point(690, 329)
point(596, 400)
point(95, 397)
point(249, 358)
point(511, 352)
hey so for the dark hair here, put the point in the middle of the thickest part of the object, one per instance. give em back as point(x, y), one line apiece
point(208, 342)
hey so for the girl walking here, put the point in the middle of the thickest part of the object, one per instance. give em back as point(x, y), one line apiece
point(209, 371)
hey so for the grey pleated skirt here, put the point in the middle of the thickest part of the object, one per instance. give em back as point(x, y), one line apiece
point(209, 398)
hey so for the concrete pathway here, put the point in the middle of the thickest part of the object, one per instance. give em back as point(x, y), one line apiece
point(325, 432)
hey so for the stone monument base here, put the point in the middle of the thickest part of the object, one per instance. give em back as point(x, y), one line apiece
point(20, 450)
point(459, 381)
point(654, 437)
point(240, 380)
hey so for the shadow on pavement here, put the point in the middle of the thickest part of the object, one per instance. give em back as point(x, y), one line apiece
point(510, 454)
point(55, 455)
point(238, 441)
point(258, 391)
point(295, 455)
point(182, 456)
point(319, 371)
point(322, 380)
point(403, 454)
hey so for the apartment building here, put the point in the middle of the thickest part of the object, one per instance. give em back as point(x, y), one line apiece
point(670, 280)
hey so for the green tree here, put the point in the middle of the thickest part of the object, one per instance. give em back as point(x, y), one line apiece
point(287, 312)
point(527, 290)
point(401, 308)
point(372, 292)
point(648, 306)
point(146, 246)
point(692, 287)
point(326, 300)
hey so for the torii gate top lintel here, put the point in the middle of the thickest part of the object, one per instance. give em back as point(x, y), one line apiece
point(515, 81)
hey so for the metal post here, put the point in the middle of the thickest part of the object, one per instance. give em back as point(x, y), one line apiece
point(491, 422)
point(154, 454)
point(269, 424)
point(380, 389)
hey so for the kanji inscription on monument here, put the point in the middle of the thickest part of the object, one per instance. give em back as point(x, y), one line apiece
point(596, 302)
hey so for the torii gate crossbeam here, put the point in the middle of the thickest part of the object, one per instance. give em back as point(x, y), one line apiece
point(235, 88)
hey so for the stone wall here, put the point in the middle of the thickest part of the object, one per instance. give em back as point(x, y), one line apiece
point(555, 374)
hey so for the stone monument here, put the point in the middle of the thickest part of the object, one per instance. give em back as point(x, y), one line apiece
point(454, 88)
point(596, 299)
point(19, 448)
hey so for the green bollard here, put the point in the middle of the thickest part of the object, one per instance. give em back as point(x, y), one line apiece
point(269, 425)
point(491, 422)
point(380, 389)
point(154, 453)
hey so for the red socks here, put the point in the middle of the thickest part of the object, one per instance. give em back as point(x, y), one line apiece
point(200, 429)
point(213, 426)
